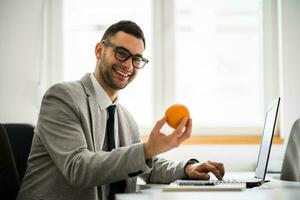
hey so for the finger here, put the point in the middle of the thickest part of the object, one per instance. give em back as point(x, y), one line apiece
point(180, 127)
point(210, 168)
point(177, 132)
point(219, 166)
point(173, 137)
point(159, 124)
point(187, 132)
point(200, 176)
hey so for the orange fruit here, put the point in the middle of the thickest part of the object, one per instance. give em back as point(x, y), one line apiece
point(175, 114)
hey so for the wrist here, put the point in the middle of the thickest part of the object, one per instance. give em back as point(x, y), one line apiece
point(147, 151)
point(188, 166)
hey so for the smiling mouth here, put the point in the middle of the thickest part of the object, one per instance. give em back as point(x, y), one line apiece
point(122, 73)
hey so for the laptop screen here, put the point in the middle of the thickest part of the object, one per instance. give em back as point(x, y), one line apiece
point(266, 142)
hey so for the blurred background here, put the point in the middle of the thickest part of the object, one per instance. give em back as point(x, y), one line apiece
point(226, 60)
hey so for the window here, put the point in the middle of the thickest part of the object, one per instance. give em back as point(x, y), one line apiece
point(218, 59)
point(209, 55)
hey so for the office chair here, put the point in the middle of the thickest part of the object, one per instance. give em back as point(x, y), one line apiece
point(9, 178)
point(20, 137)
point(15, 144)
point(291, 162)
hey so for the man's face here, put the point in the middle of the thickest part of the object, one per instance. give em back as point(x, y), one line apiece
point(118, 74)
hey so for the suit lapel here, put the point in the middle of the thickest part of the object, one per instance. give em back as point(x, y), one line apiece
point(98, 139)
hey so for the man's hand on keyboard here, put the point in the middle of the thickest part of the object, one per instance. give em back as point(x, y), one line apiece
point(200, 170)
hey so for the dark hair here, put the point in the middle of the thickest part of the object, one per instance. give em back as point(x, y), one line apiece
point(126, 26)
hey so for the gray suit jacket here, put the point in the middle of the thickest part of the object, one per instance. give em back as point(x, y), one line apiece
point(66, 160)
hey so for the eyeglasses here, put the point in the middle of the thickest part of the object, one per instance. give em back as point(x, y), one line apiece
point(122, 54)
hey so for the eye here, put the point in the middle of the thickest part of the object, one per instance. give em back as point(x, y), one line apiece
point(122, 54)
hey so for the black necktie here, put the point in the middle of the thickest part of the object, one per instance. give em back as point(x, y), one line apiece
point(119, 186)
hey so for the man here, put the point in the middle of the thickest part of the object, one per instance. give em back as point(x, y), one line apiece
point(87, 146)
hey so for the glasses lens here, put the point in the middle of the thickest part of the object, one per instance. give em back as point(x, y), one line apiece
point(122, 54)
point(137, 62)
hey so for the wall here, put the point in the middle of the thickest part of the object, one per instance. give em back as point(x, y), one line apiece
point(30, 46)
point(21, 47)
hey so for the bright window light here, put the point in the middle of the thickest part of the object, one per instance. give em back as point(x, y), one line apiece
point(218, 56)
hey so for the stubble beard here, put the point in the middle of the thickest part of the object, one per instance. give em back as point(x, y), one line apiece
point(105, 74)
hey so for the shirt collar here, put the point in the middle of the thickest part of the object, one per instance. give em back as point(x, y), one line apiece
point(101, 96)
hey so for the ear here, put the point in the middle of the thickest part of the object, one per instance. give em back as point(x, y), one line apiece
point(98, 50)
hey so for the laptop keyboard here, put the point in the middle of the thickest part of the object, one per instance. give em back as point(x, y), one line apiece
point(208, 182)
point(230, 181)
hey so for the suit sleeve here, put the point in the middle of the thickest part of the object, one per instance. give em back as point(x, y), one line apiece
point(165, 171)
point(60, 130)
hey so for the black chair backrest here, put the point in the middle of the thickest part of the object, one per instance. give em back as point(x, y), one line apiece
point(20, 136)
point(9, 178)
point(291, 162)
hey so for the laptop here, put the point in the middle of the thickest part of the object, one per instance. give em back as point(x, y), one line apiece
point(262, 161)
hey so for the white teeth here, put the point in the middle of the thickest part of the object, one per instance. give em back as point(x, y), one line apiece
point(123, 74)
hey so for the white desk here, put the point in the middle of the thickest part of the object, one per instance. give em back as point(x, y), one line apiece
point(273, 190)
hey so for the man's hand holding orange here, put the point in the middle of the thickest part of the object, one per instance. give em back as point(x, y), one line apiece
point(158, 142)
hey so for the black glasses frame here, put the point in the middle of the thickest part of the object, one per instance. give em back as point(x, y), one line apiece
point(130, 55)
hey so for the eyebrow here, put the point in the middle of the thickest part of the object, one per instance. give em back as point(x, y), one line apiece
point(138, 55)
